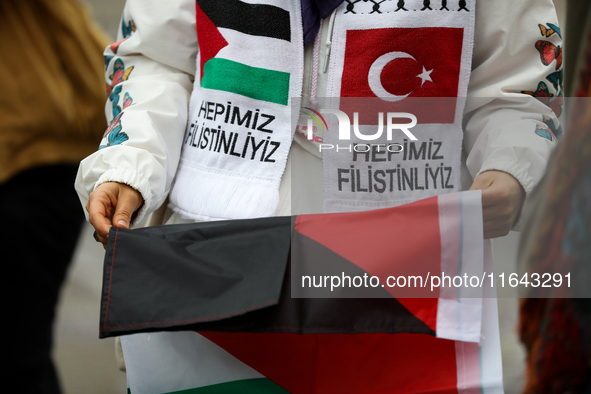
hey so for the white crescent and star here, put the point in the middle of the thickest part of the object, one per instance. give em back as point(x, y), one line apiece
point(425, 75)
point(375, 72)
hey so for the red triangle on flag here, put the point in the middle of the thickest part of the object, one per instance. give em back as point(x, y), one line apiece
point(406, 244)
point(211, 40)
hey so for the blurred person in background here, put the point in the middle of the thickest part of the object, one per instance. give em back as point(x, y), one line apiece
point(556, 328)
point(51, 116)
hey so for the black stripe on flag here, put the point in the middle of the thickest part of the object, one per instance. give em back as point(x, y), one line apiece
point(165, 276)
point(254, 19)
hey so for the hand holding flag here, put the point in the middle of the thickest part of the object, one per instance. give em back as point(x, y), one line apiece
point(502, 199)
point(112, 204)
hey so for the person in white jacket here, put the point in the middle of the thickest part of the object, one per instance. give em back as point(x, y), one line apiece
point(154, 68)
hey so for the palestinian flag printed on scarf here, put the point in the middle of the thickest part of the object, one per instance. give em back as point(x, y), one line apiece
point(239, 132)
point(241, 18)
point(233, 282)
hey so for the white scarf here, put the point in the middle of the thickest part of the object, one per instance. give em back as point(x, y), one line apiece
point(427, 52)
point(250, 67)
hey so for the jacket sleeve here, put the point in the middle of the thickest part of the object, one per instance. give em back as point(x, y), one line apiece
point(150, 72)
point(505, 127)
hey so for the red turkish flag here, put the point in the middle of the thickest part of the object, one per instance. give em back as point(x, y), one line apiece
point(412, 70)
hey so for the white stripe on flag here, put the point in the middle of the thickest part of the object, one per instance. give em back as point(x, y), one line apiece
point(255, 51)
point(459, 310)
point(163, 362)
point(479, 366)
point(490, 346)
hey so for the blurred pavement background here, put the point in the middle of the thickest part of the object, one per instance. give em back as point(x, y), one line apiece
point(87, 364)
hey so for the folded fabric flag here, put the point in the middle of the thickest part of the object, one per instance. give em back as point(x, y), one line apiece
point(239, 284)
point(233, 276)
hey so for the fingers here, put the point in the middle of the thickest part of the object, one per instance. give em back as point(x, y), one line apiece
point(494, 229)
point(503, 214)
point(129, 201)
point(111, 204)
point(100, 239)
point(502, 197)
point(99, 209)
point(498, 216)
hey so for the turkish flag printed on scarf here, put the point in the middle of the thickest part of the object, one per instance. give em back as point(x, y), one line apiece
point(412, 70)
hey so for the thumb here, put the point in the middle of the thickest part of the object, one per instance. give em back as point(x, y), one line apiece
point(127, 203)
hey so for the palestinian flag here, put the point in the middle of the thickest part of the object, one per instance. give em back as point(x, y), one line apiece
point(232, 35)
point(235, 283)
